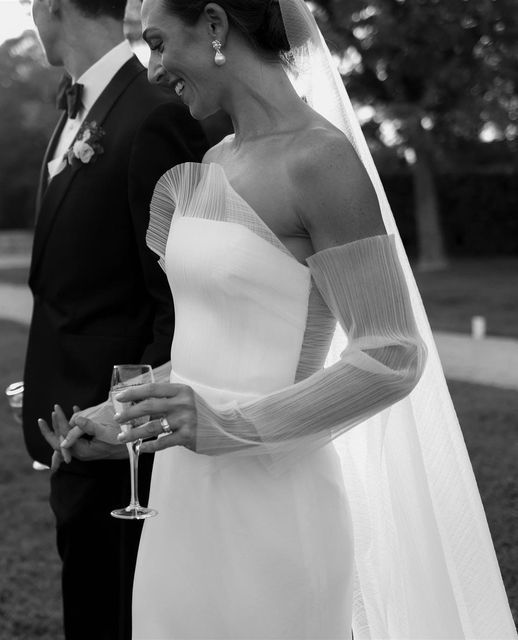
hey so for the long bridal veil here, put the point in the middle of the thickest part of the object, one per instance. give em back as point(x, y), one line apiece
point(425, 562)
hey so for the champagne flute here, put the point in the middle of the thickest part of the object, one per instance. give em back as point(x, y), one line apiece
point(124, 377)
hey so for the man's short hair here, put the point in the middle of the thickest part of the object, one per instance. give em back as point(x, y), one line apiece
point(98, 8)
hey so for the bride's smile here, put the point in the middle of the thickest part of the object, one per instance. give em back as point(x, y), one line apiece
point(182, 58)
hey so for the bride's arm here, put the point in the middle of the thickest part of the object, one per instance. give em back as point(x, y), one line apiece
point(359, 276)
point(363, 285)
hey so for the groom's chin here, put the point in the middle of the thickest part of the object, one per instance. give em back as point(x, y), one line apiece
point(54, 58)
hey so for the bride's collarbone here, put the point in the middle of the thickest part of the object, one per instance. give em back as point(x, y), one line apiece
point(261, 179)
point(269, 199)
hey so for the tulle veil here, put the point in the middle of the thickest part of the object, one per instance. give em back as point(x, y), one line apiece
point(425, 562)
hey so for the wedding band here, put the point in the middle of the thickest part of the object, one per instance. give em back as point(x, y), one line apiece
point(166, 427)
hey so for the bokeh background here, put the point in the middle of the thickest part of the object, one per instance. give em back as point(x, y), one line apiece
point(435, 85)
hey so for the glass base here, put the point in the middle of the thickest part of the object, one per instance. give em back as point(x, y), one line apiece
point(133, 513)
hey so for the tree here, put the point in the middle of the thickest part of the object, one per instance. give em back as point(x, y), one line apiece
point(435, 73)
point(27, 92)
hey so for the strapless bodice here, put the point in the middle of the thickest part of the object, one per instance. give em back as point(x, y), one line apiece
point(240, 307)
point(245, 309)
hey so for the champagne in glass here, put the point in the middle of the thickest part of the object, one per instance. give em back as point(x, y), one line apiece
point(124, 377)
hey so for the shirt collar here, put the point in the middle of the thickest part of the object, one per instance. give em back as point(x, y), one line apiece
point(97, 77)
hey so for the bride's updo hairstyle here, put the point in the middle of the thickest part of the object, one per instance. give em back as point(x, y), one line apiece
point(260, 21)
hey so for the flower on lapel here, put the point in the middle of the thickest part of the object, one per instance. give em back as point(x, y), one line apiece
point(87, 144)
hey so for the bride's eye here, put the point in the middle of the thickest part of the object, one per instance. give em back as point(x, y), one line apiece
point(157, 46)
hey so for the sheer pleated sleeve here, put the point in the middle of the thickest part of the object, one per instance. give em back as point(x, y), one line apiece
point(364, 287)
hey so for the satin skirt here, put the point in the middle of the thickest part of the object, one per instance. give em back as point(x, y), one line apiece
point(236, 553)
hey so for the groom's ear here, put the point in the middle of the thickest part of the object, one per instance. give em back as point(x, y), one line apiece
point(217, 21)
point(51, 6)
point(54, 6)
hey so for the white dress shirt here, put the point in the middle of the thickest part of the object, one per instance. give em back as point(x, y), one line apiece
point(94, 81)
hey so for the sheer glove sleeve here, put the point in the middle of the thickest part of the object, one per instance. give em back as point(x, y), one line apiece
point(364, 287)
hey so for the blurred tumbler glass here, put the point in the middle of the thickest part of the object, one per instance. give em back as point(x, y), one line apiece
point(14, 393)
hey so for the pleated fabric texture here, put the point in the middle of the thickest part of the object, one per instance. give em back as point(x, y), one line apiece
point(237, 551)
point(426, 566)
point(363, 286)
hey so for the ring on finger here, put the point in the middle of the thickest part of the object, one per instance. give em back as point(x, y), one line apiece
point(166, 427)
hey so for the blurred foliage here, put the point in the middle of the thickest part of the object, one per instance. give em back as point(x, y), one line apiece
point(27, 90)
point(432, 75)
point(477, 211)
point(449, 63)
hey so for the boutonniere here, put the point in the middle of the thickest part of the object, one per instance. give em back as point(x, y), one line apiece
point(87, 145)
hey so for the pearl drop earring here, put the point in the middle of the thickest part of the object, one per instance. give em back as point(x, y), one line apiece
point(219, 58)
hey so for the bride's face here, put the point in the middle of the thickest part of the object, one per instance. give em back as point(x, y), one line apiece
point(182, 58)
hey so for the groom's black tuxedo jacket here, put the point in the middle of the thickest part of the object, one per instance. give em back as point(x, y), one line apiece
point(100, 297)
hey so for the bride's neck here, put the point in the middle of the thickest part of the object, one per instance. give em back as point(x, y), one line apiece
point(262, 102)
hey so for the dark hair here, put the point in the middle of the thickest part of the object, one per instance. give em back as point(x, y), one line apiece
point(98, 8)
point(260, 21)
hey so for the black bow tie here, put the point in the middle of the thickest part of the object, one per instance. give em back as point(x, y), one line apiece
point(69, 96)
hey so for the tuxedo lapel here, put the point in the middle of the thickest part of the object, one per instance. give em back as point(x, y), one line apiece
point(51, 199)
point(44, 173)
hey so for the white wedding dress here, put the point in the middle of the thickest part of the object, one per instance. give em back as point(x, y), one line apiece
point(237, 552)
point(257, 543)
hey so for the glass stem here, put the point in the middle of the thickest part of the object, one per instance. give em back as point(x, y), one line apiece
point(133, 450)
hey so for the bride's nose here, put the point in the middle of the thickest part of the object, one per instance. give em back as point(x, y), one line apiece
point(156, 73)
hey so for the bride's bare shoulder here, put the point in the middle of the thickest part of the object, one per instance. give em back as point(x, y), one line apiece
point(333, 193)
point(218, 151)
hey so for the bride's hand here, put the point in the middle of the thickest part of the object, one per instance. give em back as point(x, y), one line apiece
point(174, 402)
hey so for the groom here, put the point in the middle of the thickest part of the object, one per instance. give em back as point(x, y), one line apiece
point(99, 296)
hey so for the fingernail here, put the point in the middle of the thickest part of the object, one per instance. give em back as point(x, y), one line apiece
point(56, 407)
point(121, 437)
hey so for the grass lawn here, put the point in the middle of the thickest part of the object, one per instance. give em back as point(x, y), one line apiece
point(30, 606)
point(484, 287)
point(16, 275)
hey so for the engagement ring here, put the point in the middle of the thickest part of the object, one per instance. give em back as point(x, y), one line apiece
point(166, 427)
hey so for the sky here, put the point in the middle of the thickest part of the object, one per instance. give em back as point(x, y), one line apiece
point(14, 19)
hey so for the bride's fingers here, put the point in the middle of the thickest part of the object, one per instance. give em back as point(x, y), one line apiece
point(175, 439)
point(48, 434)
point(61, 429)
point(149, 406)
point(151, 390)
point(60, 422)
point(170, 440)
point(76, 410)
point(182, 400)
point(72, 437)
point(149, 430)
point(106, 433)
point(57, 459)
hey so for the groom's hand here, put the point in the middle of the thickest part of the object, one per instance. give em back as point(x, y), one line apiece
point(55, 437)
point(67, 440)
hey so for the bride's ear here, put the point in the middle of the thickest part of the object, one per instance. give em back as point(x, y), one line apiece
point(217, 21)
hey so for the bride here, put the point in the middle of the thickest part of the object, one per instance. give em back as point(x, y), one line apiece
point(276, 518)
